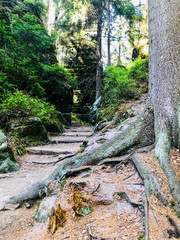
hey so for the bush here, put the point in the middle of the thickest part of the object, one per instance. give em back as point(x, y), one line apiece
point(20, 104)
point(117, 84)
point(123, 83)
point(139, 71)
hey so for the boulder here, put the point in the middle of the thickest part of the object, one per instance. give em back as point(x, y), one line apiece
point(44, 208)
point(7, 160)
point(64, 118)
point(31, 129)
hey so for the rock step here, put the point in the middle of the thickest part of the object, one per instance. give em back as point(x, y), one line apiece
point(58, 141)
point(81, 130)
point(48, 152)
point(77, 134)
point(52, 149)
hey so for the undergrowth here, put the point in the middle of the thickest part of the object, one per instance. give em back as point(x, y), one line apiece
point(20, 104)
point(121, 83)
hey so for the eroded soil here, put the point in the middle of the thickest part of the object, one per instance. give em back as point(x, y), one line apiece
point(113, 191)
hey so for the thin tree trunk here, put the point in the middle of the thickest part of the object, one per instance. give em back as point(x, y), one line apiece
point(99, 51)
point(109, 32)
point(119, 55)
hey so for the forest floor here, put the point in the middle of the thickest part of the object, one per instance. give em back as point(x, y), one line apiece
point(112, 193)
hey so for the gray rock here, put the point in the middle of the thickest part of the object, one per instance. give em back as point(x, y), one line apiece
point(7, 161)
point(31, 129)
point(44, 209)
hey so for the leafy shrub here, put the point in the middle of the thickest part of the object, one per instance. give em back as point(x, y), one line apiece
point(117, 84)
point(57, 83)
point(21, 104)
point(123, 83)
point(139, 71)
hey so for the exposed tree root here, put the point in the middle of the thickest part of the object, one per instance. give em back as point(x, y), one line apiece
point(123, 159)
point(150, 182)
point(162, 150)
point(146, 215)
point(95, 237)
point(125, 196)
point(75, 171)
point(49, 163)
point(138, 134)
point(175, 224)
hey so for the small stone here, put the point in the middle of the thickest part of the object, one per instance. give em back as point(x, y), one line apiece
point(28, 205)
point(86, 238)
point(84, 231)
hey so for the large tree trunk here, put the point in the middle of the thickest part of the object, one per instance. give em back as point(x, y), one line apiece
point(164, 86)
point(99, 51)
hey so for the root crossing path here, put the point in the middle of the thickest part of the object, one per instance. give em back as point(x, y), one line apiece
point(105, 201)
point(42, 160)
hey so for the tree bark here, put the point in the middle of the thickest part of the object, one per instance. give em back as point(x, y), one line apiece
point(164, 85)
point(99, 52)
point(109, 32)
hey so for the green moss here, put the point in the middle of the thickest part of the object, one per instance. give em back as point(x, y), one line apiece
point(21, 150)
point(8, 166)
point(142, 237)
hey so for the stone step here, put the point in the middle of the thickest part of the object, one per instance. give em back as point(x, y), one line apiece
point(47, 152)
point(46, 159)
point(53, 149)
point(77, 134)
point(80, 130)
point(58, 141)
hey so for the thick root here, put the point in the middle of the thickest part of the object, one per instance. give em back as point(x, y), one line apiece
point(150, 182)
point(138, 134)
point(163, 146)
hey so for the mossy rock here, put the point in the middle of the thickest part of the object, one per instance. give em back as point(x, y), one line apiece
point(7, 160)
point(54, 127)
point(30, 129)
point(44, 209)
point(64, 118)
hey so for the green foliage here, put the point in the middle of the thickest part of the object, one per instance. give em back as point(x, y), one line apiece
point(24, 45)
point(18, 103)
point(139, 70)
point(28, 62)
point(75, 118)
point(142, 237)
point(36, 7)
point(117, 84)
point(123, 83)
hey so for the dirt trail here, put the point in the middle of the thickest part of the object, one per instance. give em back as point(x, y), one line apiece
point(112, 191)
point(36, 165)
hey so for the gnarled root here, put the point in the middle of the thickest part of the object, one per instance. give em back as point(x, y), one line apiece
point(162, 149)
point(150, 182)
point(138, 134)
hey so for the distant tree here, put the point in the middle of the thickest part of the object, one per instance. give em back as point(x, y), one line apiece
point(99, 51)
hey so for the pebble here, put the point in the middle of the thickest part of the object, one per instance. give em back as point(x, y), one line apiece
point(86, 238)
point(28, 205)
point(84, 231)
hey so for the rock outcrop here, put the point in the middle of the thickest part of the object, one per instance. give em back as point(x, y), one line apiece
point(7, 160)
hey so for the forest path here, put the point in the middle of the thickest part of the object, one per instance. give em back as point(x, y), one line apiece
point(110, 188)
point(38, 163)
point(114, 193)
